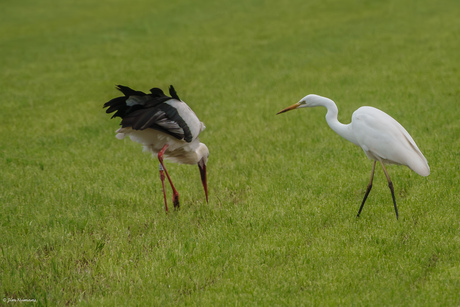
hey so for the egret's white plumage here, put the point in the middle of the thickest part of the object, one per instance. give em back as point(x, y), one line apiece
point(380, 136)
point(165, 126)
point(395, 146)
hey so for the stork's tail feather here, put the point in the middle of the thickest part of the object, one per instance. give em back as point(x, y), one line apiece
point(135, 100)
point(173, 93)
point(116, 104)
point(127, 91)
point(119, 104)
point(157, 92)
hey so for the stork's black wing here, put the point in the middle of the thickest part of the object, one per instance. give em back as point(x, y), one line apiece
point(140, 111)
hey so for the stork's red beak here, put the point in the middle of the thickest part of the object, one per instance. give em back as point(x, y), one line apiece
point(294, 106)
point(202, 168)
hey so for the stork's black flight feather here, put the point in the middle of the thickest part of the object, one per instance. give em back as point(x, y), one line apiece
point(173, 93)
point(140, 111)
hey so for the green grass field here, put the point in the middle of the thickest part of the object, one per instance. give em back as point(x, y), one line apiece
point(82, 215)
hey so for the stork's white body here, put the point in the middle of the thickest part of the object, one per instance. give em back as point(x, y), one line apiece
point(178, 151)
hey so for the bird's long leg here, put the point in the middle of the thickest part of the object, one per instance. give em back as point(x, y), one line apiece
point(369, 187)
point(175, 194)
point(390, 185)
point(162, 177)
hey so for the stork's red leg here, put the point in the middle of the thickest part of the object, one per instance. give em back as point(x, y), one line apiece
point(175, 194)
point(162, 177)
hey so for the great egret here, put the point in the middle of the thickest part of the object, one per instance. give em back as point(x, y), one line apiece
point(165, 126)
point(381, 137)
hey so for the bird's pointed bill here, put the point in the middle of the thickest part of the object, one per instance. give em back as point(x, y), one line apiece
point(202, 168)
point(294, 106)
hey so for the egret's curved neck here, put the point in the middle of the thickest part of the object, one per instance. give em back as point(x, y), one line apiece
point(344, 131)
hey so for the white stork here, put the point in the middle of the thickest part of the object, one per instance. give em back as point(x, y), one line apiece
point(165, 126)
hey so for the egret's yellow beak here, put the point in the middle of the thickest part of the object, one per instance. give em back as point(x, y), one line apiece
point(294, 106)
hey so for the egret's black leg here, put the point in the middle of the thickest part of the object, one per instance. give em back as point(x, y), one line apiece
point(390, 185)
point(175, 193)
point(369, 187)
